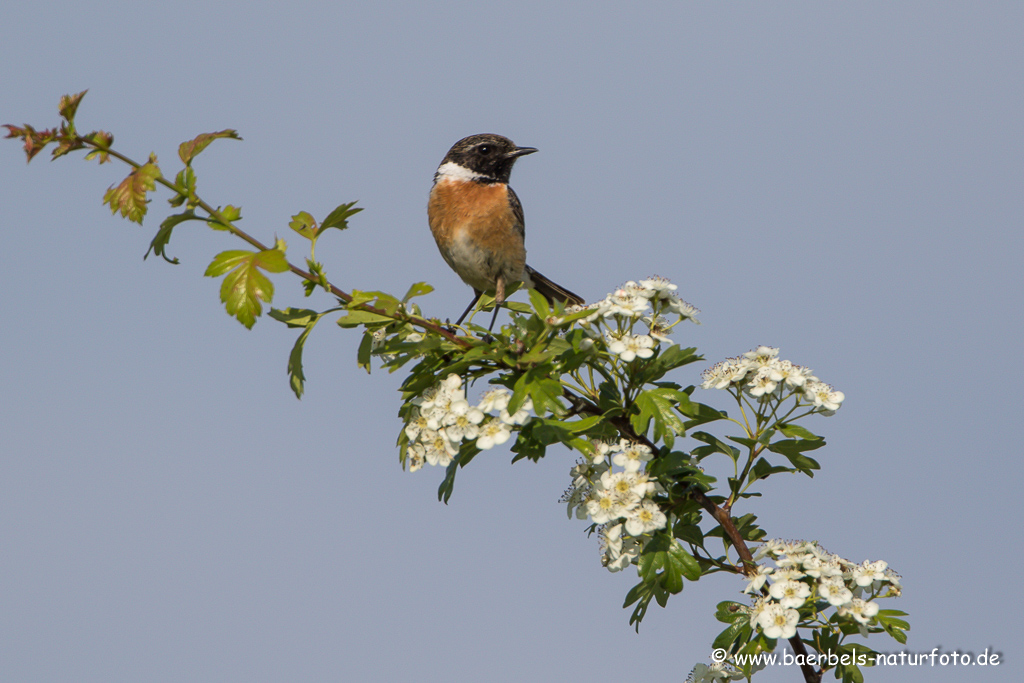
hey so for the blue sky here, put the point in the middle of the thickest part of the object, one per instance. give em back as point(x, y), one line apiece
point(839, 180)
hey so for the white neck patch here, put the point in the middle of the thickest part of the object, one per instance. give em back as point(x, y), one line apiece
point(454, 171)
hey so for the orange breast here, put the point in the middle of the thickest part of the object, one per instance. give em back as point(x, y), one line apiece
point(476, 231)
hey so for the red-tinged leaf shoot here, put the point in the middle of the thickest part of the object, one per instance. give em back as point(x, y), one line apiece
point(69, 106)
point(129, 198)
point(191, 149)
point(67, 144)
point(245, 286)
point(35, 141)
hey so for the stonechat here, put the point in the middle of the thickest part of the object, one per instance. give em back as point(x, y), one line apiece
point(477, 221)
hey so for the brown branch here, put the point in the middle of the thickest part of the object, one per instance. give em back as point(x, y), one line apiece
point(341, 294)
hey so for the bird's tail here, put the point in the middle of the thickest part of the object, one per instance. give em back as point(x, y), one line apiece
point(552, 291)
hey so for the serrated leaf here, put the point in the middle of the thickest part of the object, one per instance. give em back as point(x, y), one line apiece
point(659, 405)
point(339, 217)
point(304, 224)
point(159, 244)
point(387, 303)
point(244, 285)
point(546, 394)
point(187, 151)
point(129, 197)
point(296, 377)
point(418, 289)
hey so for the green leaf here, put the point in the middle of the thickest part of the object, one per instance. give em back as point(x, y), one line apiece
point(716, 446)
point(230, 213)
point(729, 612)
point(444, 491)
point(296, 317)
point(793, 450)
point(185, 182)
point(304, 224)
point(546, 394)
point(665, 560)
point(356, 318)
point(797, 432)
point(339, 217)
point(641, 594)
point(659, 405)
point(738, 631)
point(365, 346)
point(296, 378)
point(188, 151)
point(700, 413)
point(690, 533)
point(159, 244)
point(129, 197)
point(418, 289)
point(668, 359)
point(762, 469)
point(245, 285)
point(540, 304)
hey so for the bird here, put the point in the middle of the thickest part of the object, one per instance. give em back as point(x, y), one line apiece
point(477, 221)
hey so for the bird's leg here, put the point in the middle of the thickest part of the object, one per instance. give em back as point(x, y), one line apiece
point(499, 299)
point(472, 304)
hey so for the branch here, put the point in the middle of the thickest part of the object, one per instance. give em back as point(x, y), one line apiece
point(238, 232)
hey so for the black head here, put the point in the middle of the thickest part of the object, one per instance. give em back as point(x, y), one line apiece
point(487, 155)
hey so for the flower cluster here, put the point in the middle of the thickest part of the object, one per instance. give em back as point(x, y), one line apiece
point(619, 501)
point(611, 320)
point(761, 375)
point(443, 419)
point(805, 571)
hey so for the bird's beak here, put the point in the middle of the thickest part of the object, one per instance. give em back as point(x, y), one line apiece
point(521, 151)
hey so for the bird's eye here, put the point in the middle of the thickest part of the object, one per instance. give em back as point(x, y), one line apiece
point(484, 149)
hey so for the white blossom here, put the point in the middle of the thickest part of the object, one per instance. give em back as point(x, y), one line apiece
point(835, 591)
point(462, 421)
point(778, 622)
point(632, 456)
point(644, 519)
point(493, 433)
point(494, 399)
point(790, 594)
point(628, 347)
point(860, 610)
